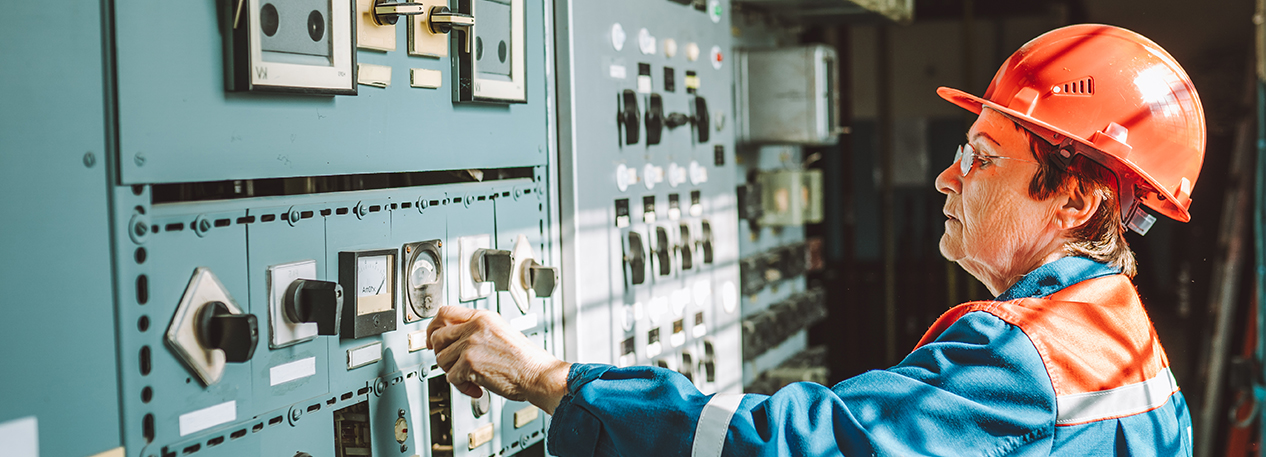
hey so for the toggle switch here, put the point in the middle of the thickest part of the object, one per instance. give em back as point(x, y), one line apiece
point(654, 119)
point(443, 20)
point(635, 258)
point(319, 302)
point(686, 248)
point(663, 254)
point(492, 265)
point(701, 120)
point(705, 241)
point(234, 334)
point(628, 116)
point(388, 13)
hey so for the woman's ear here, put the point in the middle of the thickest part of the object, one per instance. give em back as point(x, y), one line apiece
point(1076, 207)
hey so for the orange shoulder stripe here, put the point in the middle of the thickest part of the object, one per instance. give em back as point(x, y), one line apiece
point(1092, 336)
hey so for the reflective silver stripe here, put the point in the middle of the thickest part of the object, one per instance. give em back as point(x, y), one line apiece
point(714, 425)
point(1121, 401)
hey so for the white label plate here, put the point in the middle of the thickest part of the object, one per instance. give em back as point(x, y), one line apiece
point(208, 417)
point(291, 371)
point(364, 355)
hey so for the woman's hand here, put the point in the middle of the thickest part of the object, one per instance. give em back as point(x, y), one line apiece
point(478, 348)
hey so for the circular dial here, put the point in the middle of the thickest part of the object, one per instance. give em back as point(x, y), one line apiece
point(422, 271)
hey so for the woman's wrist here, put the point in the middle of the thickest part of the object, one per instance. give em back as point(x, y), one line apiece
point(551, 386)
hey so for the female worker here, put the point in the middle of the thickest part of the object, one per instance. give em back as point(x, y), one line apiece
point(1079, 129)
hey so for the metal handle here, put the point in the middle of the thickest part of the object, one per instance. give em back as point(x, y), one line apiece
point(387, 13)
point(444, 20)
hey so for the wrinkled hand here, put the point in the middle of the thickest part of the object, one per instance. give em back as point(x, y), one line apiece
point(478, 348)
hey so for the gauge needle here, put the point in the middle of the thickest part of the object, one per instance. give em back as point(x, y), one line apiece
point(384, 282)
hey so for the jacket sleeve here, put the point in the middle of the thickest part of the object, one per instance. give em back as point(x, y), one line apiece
point(979, 389)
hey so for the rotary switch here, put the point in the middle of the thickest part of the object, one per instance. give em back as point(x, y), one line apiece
point(492, 265)
point(235, 334)
point(319, 302)
point(654, 119)
point(529, 279)
point(705, 241)
point(636, 259)
point(663, 254)
point(686, 248)
point(541, 280)
point(628, 116)
point(701, 120)
point(209, 329)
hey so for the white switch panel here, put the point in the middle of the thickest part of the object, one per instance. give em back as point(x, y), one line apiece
point(282, 331)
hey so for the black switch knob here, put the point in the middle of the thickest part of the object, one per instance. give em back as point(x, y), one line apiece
point(636, 259)
point(493, 265)
point(541, 279)
point(701, 119)
point(687, 248)
point(629, 117)
point(321, 302)
point(654, 119)
point(674, 120)
point(706, 242)
point(663, 256)
point(219, 328)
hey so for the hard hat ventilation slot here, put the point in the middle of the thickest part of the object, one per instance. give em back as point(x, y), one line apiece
point(1083, 86)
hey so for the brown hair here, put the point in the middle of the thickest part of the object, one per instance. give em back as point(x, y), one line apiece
point(1102, 237)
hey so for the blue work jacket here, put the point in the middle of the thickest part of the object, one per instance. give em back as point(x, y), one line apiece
point(1065, 362)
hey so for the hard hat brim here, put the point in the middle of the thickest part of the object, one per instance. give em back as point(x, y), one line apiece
point(1167, 203)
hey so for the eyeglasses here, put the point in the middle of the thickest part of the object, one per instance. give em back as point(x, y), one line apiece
point(967, 156)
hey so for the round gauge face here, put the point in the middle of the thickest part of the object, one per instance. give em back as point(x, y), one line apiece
point(422, 271)
point(373, 284)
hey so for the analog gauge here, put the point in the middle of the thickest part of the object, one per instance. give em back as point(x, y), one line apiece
point(371, 309)
point(423, 275)
point(373, 294)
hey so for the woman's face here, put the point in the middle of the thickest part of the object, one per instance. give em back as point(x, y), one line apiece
point(993, 228)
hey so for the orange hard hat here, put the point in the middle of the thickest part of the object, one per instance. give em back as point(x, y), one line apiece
point(1114, 96)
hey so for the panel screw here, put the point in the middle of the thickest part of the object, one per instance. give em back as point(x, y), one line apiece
point(90, 159)
point(139, 158)
point(295, 414)
point(138, 228)
point(400, 412)
point(404, 448)
point(362, 210)
point(204, 225)
point(293, 216)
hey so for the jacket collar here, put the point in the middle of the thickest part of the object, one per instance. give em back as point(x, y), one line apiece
point(1055, 276)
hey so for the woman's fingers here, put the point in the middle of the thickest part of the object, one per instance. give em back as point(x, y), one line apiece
point(446, 317)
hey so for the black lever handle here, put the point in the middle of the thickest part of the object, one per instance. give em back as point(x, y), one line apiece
point(662, 255)
point(701, 120)
point(388, 13)
point(235, 334)
point(636, 259)
point(654, 119)
point(493, 265)
point(629, 116)
point(321, 302)
point(541, 279)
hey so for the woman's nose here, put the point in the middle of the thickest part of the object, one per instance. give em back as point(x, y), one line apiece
point(950, 180)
